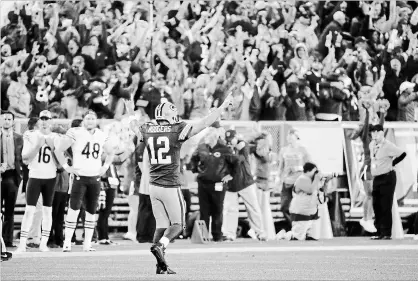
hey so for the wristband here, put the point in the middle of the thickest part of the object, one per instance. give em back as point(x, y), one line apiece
point(65, 166)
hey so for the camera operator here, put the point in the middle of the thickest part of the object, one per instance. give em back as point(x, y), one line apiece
point(304, 205)
point(385, 156)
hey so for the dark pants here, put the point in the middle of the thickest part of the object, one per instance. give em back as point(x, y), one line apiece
point(145, 226)
point(9, 189)
point(211, 204)
point(87, 189)
point(416, 224)
point(285, 199)
point(102, 221)
point(383, 192)
point(188, 200)
point(58, 211)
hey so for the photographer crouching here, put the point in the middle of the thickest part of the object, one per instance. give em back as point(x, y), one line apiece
point(307, 193)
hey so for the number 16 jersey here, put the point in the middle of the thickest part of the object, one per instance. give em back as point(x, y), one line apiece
point(87, 150)
point(43, 165)
point(163, 145)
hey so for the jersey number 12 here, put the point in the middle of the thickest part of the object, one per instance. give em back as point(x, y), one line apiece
point(161, 151)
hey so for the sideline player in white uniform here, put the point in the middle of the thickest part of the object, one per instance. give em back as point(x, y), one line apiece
point(38, 153)
point(88, 144)
point(164, 139)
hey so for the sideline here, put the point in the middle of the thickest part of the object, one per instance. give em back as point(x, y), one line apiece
point(174, 251)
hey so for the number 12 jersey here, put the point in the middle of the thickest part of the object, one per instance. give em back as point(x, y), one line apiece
point(87, 150)
point(163, 145)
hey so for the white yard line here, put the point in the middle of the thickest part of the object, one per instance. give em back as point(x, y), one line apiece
point(76, 253)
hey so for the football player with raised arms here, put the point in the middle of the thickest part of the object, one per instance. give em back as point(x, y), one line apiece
point(38, 154)
point(88, 143)
point(163, 138)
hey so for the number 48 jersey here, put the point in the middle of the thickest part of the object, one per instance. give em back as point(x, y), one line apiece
point(164, 144)
point(87, 150)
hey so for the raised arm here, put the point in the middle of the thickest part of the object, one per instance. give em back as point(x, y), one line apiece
point(31, 149)
point(212, 117)
point(365, 132)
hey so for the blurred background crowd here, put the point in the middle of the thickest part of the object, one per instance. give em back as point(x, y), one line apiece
point(283, 60)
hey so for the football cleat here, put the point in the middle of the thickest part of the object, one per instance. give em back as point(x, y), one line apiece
point(161, 271)
point(66, 248)
point(89, 249)
point(5, 256)
point(43, 248)
point(262, 237)
point(20, 249)
point(158, 251)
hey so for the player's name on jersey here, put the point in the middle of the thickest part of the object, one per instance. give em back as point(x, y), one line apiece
point(159, 129)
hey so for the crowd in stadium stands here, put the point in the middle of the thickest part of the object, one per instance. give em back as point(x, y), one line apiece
point(284, 60)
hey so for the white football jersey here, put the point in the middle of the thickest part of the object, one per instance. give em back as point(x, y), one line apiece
point(43, 166)
point(87, 150)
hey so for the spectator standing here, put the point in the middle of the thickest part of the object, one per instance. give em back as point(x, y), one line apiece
point(333, 28)
point(213, 161)
point(391, 85)
point(5, 256)
point(242, 184)
point(110, 183)
point(74, 85)
point(291, 160)
point(130, 185)
point(56, 238)
point(264, 158)
point(123, 147)
point(146, 221)
point(365, 172)
point(385, 155)
point(19, 96)
point(11, 175)
point(407, 101)
point(185, 190)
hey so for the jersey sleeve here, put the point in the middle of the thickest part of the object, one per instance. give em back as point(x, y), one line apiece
point(184, 131)
point(72, 133)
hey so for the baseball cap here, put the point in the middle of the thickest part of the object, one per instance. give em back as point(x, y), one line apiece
point(230, 134)
point(45, 114)
point(376, 128)
point(406, 85)
point(360, 39)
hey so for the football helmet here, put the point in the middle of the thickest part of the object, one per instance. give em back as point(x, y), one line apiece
point(167, 111)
